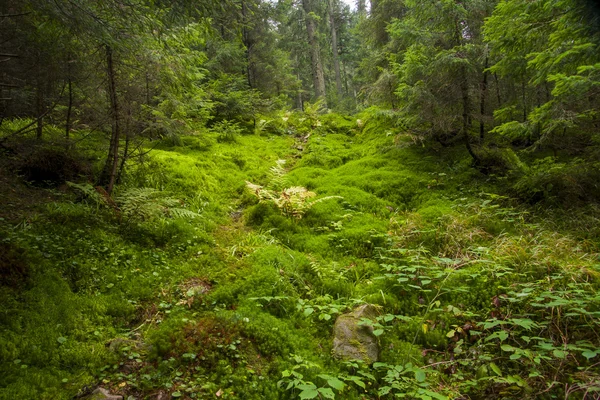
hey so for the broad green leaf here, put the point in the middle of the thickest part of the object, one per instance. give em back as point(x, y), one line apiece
point(309, 394)
point(496, 369)
point(336, 384)
point(589, 354)
point(420, 375)
point(327, 393)
point(378, 332)
point(507, 347)
point(559, 353)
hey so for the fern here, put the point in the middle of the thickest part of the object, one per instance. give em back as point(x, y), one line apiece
point(90, 194)
point(277, 178)
point(148, 203)
point(293, 201)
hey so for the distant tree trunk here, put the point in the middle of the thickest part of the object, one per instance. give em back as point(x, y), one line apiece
point(334, 49)
point(39, 101)
point(125, 156)
point(524, 100)
point(464, 89)
point(247, 44)
point(69, 108)
point(482, 102)
point(147, 88)
point(498, 90)
point(361, 7)
point(109, 172)
point(315, 51)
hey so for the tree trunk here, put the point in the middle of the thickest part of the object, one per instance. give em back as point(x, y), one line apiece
point(482, 102)
point(524, 100)
point(247, 44)
point(125, 156)
point(498, 90)
point(109, 172)
point(334, 49)
point(361, 7)
point(39, 103)
point(69, 109)
point(315, 51)
point(466, 103)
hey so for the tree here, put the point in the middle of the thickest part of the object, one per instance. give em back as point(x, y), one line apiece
point(315, 50)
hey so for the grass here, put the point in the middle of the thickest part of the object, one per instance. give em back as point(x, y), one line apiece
point(473, 287)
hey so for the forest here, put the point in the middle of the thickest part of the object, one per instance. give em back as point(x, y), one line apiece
point(299, 199)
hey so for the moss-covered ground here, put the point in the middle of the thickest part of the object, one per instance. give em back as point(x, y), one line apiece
point(479, 295)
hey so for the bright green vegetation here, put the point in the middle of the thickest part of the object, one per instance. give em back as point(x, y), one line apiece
point(477, 294)
point(193, 192)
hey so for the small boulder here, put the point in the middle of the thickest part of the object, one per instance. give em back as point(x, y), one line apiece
point(354, 341)
point(103, 394)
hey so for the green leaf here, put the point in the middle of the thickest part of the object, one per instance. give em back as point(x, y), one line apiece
point(507, 347)
point(325, 317)
point(61, 340)
point(378, 332)
point(559, 353)
point(308, 311)
point(176, 394)
point(309, 393)
point(450, 333)
point(420, 375)
point(358, 381)
point(327, 393)
point(589, 354)
point(336, 384)
point(384, 390)
point(496, 369)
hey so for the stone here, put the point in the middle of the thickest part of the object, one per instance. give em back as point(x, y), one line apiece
point(102, 394)
point(352, 341)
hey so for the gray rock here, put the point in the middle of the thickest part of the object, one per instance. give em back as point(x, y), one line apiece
point(103, 394)
point(354, 341)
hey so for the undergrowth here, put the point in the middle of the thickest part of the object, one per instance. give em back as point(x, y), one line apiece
point(192, 285)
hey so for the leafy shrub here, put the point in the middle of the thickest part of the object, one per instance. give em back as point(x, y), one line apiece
point(563, 183)
point(227, 131)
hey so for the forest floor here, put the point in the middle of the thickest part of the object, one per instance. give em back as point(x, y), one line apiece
point(196, 289)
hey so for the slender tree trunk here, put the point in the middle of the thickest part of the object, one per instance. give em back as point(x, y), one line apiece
point(466, 103)
point(334, 49)
point(125, 157)
point(524, 99)
point(498, 90)
point(109, 172)
point(482, 102)
point(147, 88)
point(69, 109)
point(247, 44)
point(361, 7)
point(315, 51)
point(39, 101)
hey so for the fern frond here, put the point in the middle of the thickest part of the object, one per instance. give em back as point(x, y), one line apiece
point(182, 213)
point(148, 203)
point(89, 193)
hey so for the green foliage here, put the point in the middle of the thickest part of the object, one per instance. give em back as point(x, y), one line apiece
point(291, 201)
point(227, 131)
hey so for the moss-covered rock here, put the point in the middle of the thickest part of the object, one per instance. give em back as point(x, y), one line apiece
point(353, 340)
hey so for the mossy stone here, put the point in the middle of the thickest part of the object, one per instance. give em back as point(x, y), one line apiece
point(354, 341)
